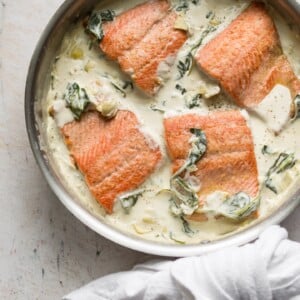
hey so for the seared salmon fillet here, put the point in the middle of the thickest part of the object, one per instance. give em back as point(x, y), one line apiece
point(131, 26)
point(141, 39)
point(247, 58)
point(113, 155)
point(229, 163)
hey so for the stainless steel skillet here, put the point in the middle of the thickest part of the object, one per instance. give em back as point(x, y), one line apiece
point(37, 85)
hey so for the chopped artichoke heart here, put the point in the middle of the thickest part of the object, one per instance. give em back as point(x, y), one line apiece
point(180, 23)
point(140, 229)
point(89, 66)
point(77, 53)
point(108, 108)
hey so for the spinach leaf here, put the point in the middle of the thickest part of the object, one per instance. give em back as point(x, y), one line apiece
point(238, 206)
point(297, 107)
point(180, 88)
point(266, 150)
point(154, 107)
point(184, 66)
point(193, 101)
point(183, 5)
point(129, 200)
point(282, 163)
point(198, 149)
point(77, 99)
point(96, 21)
point(121, 86)
point(184, 196)
point(186, 227)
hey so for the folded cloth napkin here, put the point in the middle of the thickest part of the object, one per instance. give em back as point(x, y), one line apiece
point(269, 268)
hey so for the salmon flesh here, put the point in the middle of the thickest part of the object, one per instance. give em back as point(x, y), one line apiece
point(247, 58)
point(141, 39)
point(113, 155)
point(229, 164)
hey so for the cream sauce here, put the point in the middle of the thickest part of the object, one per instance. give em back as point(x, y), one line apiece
point(150, 217)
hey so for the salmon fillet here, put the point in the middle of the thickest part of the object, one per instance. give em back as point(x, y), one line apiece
point(247, 58)
point(131, 26)
point(142, 38)
point(113, 155)
point(229, 163)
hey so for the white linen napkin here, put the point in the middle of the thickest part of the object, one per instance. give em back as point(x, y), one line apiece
point(267, 269)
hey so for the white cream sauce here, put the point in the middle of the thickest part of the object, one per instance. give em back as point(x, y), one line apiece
point(150, 217)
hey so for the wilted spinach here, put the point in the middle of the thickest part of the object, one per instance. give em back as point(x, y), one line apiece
point(238, 206)
point(77, 99)
point(193, 101)
point(180, 88)
point(128, 201)
point(297, 107)
point(183, 5)
point(96, 20)
point(198, 149)
point(184, 199)
point(184, 66)
point(282, 163)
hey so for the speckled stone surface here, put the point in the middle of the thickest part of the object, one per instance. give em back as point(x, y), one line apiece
point(44, 251)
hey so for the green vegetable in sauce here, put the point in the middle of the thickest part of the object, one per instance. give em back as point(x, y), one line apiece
point(154, 107)
point(183, 5)
point(52, 79)
point(186, 227)
point(266, 150)
point(193, 101)
point(209, 14)
point(174, 239)
point(185, 197)
point(128, 201)
point(180, 88)
point(121, 86)
point(96, 21)
point(77, 99)
point(198, 149)
point(297, 107)
point(239, 206)
point(185, 66)
point(282, 163)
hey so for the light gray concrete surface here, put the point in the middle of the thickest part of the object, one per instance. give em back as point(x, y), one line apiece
point(44, 251)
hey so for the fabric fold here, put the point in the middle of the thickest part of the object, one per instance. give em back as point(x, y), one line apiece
point(267, 269)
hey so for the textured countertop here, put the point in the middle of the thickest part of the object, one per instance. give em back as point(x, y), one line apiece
point(44, 251)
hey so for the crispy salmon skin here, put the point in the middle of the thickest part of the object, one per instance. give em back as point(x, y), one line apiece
point(247, 58)
point(113, 155)
point(142, 38)
point(229, 164)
